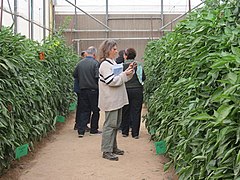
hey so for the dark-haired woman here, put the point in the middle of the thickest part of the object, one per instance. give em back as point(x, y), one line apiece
point(132, 111)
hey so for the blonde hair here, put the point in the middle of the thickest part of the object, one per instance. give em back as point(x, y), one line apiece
point(105, 48)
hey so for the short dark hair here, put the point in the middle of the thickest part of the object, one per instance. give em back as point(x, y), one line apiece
point(130, 53)
point(82, 53)
point(120, 58)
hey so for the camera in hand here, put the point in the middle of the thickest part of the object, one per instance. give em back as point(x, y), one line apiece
point(133, 64)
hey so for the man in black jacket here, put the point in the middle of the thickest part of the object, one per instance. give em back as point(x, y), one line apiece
point(87, 74)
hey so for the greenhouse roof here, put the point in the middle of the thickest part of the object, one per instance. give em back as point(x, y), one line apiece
point(125, 6)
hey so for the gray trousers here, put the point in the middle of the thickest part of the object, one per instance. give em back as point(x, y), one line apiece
point(110, 129)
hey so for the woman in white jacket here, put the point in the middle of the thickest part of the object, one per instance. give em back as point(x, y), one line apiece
point(112, 97)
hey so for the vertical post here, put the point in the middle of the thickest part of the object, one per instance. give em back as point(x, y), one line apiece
point(106, 19)
point(78, 47)
point(1, 15)
point(75, 16)
point(50, 16)
point(15, 17)
point(151, 28)
point(31, 18)
point(44, 18)
point(162, 12)
point(75, 26)
point(53, 16)
point(189, 5)
point(162, 23)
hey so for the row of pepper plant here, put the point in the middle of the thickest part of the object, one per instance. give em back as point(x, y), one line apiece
point(33, 92)
point(192, 92)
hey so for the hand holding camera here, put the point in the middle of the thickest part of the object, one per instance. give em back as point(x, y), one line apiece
point(130, 69)
point(132, 65)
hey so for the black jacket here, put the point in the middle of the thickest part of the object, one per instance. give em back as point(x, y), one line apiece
point(87, 73)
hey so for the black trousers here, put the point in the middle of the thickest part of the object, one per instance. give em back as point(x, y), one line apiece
point(87, 104)
point(132, 111)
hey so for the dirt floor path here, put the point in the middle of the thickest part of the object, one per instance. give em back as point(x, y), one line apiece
point(66, 157)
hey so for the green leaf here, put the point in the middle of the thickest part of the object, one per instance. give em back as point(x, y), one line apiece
point(236, 50)
point(199, 158)
point(216, 96)
point(4, 66)
point(203, 116)
point(238, 136)
point(232, 78)
point(219, 64)
point(167, 165)
point(223, 111)
point(238, 158)
point(228, 153)
point(231, 89)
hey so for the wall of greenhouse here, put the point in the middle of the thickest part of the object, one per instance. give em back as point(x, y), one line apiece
point(130, 30)
point(131, 23)
point(28, 17)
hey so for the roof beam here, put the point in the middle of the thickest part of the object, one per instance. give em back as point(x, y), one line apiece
point(89, 15)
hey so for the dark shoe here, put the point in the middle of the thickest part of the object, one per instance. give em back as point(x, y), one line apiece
point(75, 127)
point(118, 152)
point(124, 135)
point(95, 133)
point(80, 135)
point(110, 156)
point(136, 137)
point(87, 129)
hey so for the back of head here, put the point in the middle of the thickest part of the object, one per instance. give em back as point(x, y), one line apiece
point(91, 50)
point(120, 58)
point(105, 48)
point(83, 54)
point(130, 53)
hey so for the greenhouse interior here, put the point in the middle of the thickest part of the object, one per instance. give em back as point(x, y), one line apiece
point(158, 78)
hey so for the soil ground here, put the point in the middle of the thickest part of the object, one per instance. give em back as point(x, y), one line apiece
point(64, 156)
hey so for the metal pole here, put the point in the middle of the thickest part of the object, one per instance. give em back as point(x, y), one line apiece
point(75, 16)
point(107, 34)
point(50, 15)
point(1, 14)
point(53, 16)
point(75, 21)
point(78, 47)
point(9, 5)
point(15, 17)
point(31, 17)
point(89, 15)
point(189, 5)
point(162, 12)
point(44, 18)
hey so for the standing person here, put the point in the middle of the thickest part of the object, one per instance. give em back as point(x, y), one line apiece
point(76, 89)
point(87, 74)
point(112, 97)
point(132, 111)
